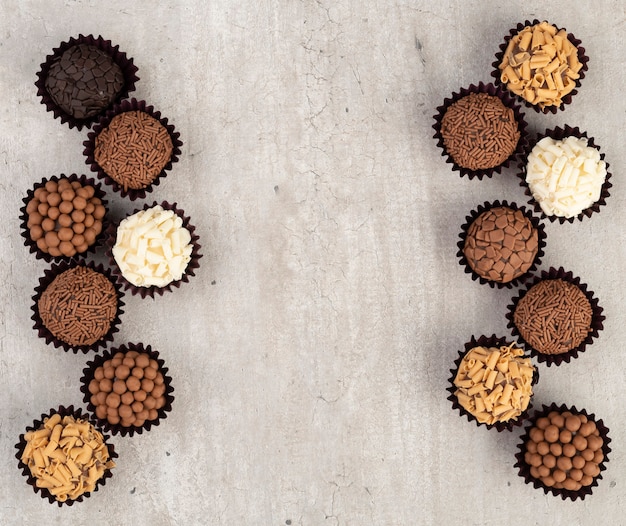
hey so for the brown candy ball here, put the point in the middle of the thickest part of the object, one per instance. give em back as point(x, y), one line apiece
point(106, 385)
point(133, 383)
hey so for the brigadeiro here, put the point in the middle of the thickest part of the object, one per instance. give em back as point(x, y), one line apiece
point(480, 130)
point(556, 316)
point(492, 383)
point(131, 148)
point(64, 456)
point(77, 306)
point(501, 244)
point(153, 249)
point(84, 77)
point(563, 451)
point(128, 389)
point(64, 217)
point(541, 64)
point(565, 175)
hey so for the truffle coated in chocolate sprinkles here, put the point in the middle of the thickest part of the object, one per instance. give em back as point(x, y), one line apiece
point(78, 306)
point(479, 131)
point(84, 80)
point(133, 149)
point(554, 316)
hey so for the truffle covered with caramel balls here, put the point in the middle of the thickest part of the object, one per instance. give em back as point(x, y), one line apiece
point(564, 451)
point(128, 389)
point(64, 217)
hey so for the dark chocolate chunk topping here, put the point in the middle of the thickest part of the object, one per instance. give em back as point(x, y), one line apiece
point(84, 80)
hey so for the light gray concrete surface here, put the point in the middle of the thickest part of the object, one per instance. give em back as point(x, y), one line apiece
point(311, 352)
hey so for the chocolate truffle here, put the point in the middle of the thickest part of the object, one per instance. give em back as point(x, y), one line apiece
point(152, 247)
point(494, 384)
point(79, 306)
point(128, 389)
point(133, 149)
point(563, 450)
point(479, 132)
point(65, 457)
point(64, 217)
point(501, 244)
point(565, 176)
point(541, 64)
point(554, 316)
point(84, 80)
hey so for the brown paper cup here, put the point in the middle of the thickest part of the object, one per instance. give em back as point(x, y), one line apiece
point(151, 291)
point(125, 63)
point(31, 480)
point(557, 134)
point(567, 99)
point(43, 331)
point(484, 341)
point(117, 428)
point(474, 214)
point(597, 318)
point(90, 146)
point(508, 101)
point(524, 468)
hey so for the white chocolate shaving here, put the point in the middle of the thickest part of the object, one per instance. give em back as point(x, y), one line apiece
point(565, 176)
point(152, 247)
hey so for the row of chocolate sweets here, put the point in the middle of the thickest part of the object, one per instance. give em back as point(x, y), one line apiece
point(77, 305)
point(481, 130)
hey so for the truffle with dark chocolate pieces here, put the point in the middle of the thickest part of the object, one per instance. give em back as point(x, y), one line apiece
point(84, 80)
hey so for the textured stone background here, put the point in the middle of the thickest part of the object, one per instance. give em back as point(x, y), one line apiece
point(311, 352)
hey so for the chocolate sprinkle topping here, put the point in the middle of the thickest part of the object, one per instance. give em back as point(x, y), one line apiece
point(554, 316)
point(78, 306)
point(133, 149)
point(84, 80)
point(479, 131)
